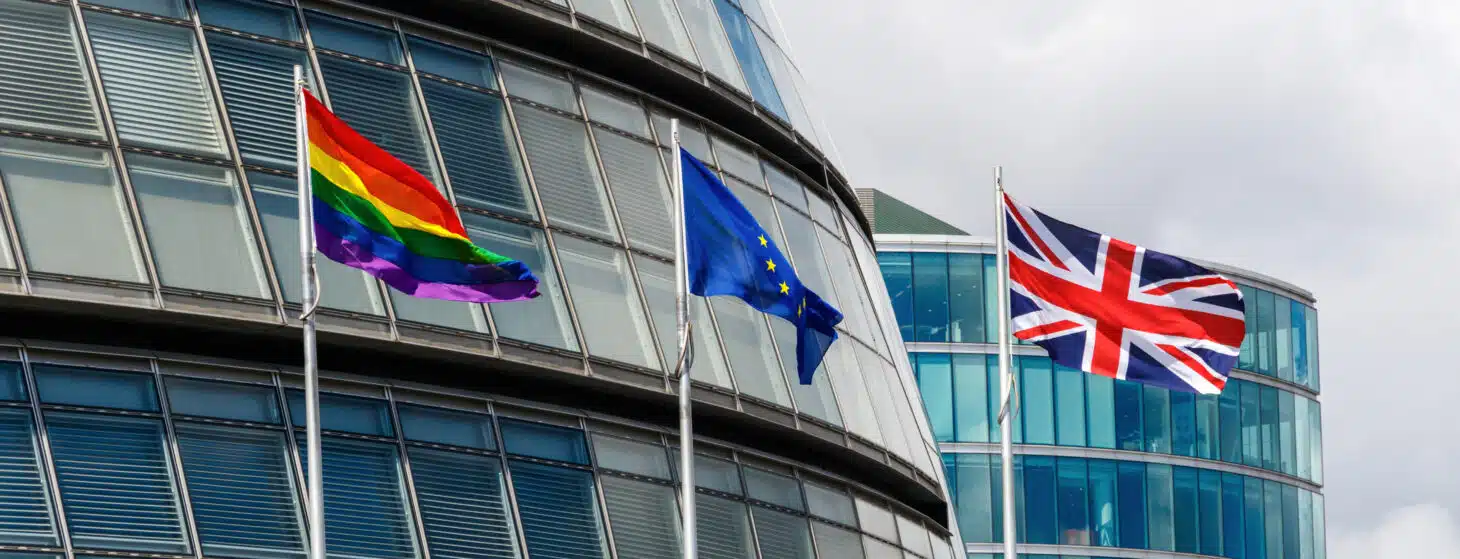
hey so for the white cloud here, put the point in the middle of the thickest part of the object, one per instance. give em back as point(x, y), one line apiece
point(1427, 531)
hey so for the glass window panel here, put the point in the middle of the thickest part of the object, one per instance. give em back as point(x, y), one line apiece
point(175, 9)
point(224, 400)
point(815, 399)
point(242, 491)
point(757, 74)
point(1100, 398)
point(1251, 424)
point(438, 312)
point(543, 320)
point(833, 542)
point(538, 440)
point(723, 530)
point(806, 255)
point(52, 187)
point(1304, 461)
point(75, 386)
point(897, 273)
point(1272, 498)
point(691, 137)
point(559, 511)
point(852, 298)
point(12, 384)
point(631, 456)
point(549, 89)
point(1247, 357)
point(914, 536)
point(479, 150)
point(1131, 486)
point(1160, 527)
point(26, 517)
point(258, 90)
point(1265, 328)
point(1253, 516)
point(611, 12)
point(1209, 486)
point(1269, 419)
point(1286, 446)
point(1315, 439)
point(930, 296)
point(1103, 520)
point(566, 171)
point(366, 514)
point(712, 473)
point(452, 62)
point(349, 37)
point(742, 163)
point(155, 85)
point(657, 278)
point(640, 191)
point(644, 517)
point(852, 394)
point(1310, 321)
point(251, 16)
point(970, 402)
point(1229, 429)
point(1069, 406)
point(1040, 501)
point(1300, 343)
point(380, 105)
point(823, 212)
point(997, 494)
point(1234, 543)
point(1283, 338)
point(785, 188)
point(349, 414)
point(830, 503)
point(344, 288)
point(1320, 546)
point(201, 235)
point(623, 114)
point(1305, 524)
point(965, 298)
point(969, 485)
point(760, 208)
point(774, 489)
point(1183, 423)
point(1157, 408)
point(996, 384)
point(1184, 507)
point(1207, 420)
point(752, 356)
point(435, 425)
point(877, 378)
point(609, 309)
point(878, 550)
point(784, 76)
point(1037, 392)
point(1290, 521)
point(660, 24)
point(116, 483)
point(463, 502)
point(876, 520)
point(935, 382)
point(990, 301)
point(44, 86)
point(1073, 494)
point(703, 23)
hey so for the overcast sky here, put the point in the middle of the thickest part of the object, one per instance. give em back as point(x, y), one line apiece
point(1314, 141)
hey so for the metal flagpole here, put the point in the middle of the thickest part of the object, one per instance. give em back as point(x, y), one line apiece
point(1006, 377)
point(310, 283)
point(686, 357)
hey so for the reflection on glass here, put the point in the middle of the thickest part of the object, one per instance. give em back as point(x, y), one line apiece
point(742, 41)
point(709, 40)
point(612, 12)
point(251, 16)
point(607, 302)
point(852, 393)
point(341, 287)
point(752, 355)
point(659, 21)
point(452, 62)
point(658, 281)
point(342, 35)
point(543, 320)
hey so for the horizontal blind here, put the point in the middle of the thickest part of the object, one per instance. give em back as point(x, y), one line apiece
point(378, 104)
point(559, 511)
point(43, 85)
point(723, 528)
point(565, 169)
point(26, 516)
point(257, 80)
point(153, 78)
point(116, 483)
point(365, 510)
point(463, 505)
point(836, 542)
point(781, 535)
point(480, 152)
point(640, 191)
point(243, 498)
point(644, 518)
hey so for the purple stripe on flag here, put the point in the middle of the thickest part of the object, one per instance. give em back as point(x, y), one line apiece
point(355, 256)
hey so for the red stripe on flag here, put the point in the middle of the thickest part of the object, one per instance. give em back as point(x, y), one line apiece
point(1029, 232)
point(1046, 329)
point(1193, 363)
point(1199, 282)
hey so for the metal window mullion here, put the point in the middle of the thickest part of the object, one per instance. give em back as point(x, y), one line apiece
point(745, 500)
point(513, 512)
point(260, 241)
point(417, 519)
point(301, 491)
point(806, 505)
point(790, 392)
point(638, 30)
point(542, 215)
point(598, 490)
point(109, 126)
point(7, 213)
point(440, 157)
point(47, 461)
point(678, 17)
point(176, 462)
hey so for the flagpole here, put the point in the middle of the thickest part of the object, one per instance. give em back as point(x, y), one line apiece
point(310, 284)
point(1006, 378)
point(681, 311)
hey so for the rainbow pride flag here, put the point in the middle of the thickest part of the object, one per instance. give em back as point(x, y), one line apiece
point(375, 213)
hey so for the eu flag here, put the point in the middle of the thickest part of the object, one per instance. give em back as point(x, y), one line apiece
point(728, 253)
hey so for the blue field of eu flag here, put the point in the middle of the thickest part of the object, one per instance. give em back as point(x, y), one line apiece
point(728, 253)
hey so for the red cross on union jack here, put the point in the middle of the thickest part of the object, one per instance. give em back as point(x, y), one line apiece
point(1106, 306)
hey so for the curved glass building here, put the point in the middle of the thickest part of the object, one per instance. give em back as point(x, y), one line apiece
point(149, 276)
point(1109, 468)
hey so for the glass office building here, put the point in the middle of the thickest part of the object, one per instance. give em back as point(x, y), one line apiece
point(1104, 467)
point(149, 382)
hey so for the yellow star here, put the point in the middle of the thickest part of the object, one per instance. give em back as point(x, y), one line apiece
point(785, 288)
point(770, 266)
point(798, 310)
point(762, 240)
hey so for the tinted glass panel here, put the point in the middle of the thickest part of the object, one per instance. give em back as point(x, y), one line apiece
point(1040, 502)
point(1185, 509)
point(26, 517)
point(703, 23)
point(242, 491)
point(544, 441)
point(543, 320)
point(440, 426)
point(970, 402)
point(930, 296)
point(452, 62)
point(224, 400)
point(631, 456)
point(479, 149)
point(723, 528)
point(258, 88)
point(660, 24)
point(116, 483)
point(1100, 401)
point(640, 191)
point(1183, 423)
point(1103, 514)
point(251, 16)
point(644, 517)
point(752, 355)
point(559, 511)
point(657, 279)
point(935, 382)
point(1159, 506)
point(757, 74)
point(463, 504)
point(897, 273)
point(1073, 494)
point(345, 413)
point(1157, 408)
point(359, 39)
point(76, 386)
point(349, 289)
point(1131, 486)
point(379, 104)
point(365, 507)
point(549, 89)
point(774, 489)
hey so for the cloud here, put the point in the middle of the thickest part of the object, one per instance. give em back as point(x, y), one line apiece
point(1428, 531)
point(1310, 140)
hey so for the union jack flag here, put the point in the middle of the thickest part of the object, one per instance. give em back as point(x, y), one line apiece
point(1108, 307)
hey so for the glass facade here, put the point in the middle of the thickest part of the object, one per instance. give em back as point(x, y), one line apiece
point(1105, 463)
